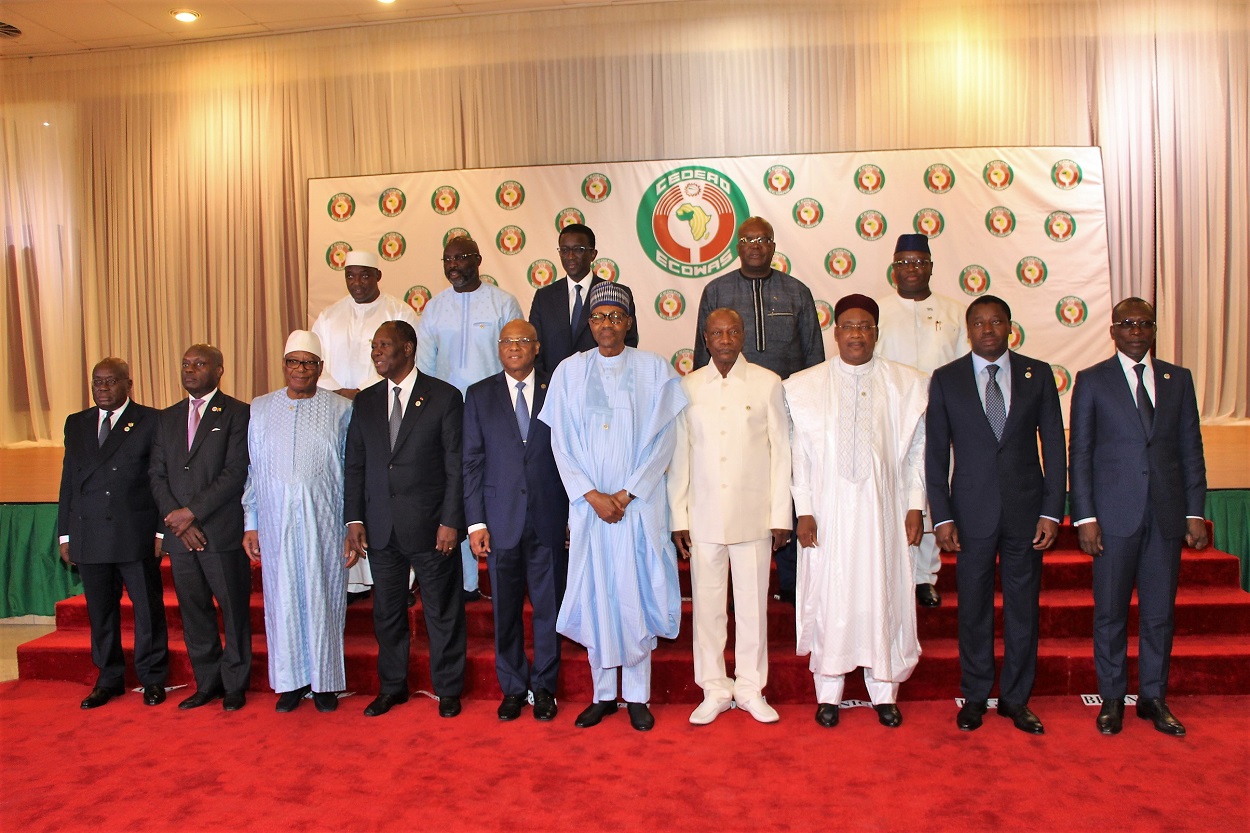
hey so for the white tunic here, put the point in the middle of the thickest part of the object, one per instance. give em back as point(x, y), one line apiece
point(346, 331)
point(921, 334)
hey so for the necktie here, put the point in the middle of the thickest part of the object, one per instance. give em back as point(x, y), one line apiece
point(522, 412)
point(577, 307)
point(106, 426)
point(193, 421)
point(1145, 408)
point(397, 416)
point(995, 405)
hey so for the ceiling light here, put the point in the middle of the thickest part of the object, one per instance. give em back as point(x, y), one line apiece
point(386, 2)
point(185, 15)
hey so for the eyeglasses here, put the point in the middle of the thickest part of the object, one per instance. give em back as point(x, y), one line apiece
point(573, 250)
point(911, 262)
point(518, 341)
point(463, 257)
point(857, 328)
point(614, 317)
point(754, 241)
point(107, 382)
point(307, 364)
point(1135, 324)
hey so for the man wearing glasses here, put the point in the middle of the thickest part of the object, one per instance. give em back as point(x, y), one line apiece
point(926, 331)
point(1138, 492)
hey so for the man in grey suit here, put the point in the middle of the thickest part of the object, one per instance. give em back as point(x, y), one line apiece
point(1138, 490)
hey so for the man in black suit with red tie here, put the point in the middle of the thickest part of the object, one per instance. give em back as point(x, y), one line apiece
point(403, 502)
point(559, 313)
point(1139, 485)
point(107, 523)
point(199, 469)
point(991, 407)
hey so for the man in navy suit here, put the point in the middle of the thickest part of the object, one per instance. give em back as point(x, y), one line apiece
point(559, 313)
point(1139, 487)
point(517, 512)
point(403, 503)
point(991, 406)
point(107, 523)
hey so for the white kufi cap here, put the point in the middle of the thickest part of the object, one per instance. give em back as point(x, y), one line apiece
point(355, 258)
point(303, 340)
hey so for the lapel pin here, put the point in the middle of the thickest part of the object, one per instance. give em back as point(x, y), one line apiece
point(1167, 375)
point(216, 409)
point(1028, 374)
point(543, 386)
point(418, 402)
point(129, 425)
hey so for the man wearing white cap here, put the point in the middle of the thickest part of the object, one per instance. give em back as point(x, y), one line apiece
point(296, 440)
point(345, 330)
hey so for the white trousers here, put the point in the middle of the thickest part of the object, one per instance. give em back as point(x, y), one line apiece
point(710, 568)
point(635, 682)
point(926, 560)
point(829, 688)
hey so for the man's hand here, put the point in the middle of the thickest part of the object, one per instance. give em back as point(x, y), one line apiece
point(179, 520)
point(65, 552)
point(606, 507)
point(947, 537)
point(681, 540)
point(356, 546)
point(251, 545)
point(913, 525)
point(479, 543)
point(193, 538)
point(806, 530)
point(445, 540)
point(1196, 533)
point(623, 498)
point(781, 537)
point(1046, 532)
point(1089, 535)
point(159, 547)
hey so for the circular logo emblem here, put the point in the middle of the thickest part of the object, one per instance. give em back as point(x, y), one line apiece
point(1060, 226)
point(392, 246)
point(453, 233)
point(1031, 271)
point(808, 213)
point(509, 195)
point(780, 263)
point(1016, 339)
point(870, 225)
point(998, 175)
point(687, 219)
point(541, 273)
point(869, 179)
point(417, 297)
point(839, 263)
point(670, 304)
point(606, 268)
point(336, 255)
point(1071, 311)
point(445, 199)
point(683, 361)
point(974, 280)
point(490, 279)
point(1063, 379)
point(889, 275)
point(341, 207)
point(596, 187)
point(567, 217)
point(510, 240)
point(1066, 174)
point(392, 202)
point(939, 178)
point(778, 180)
point(999, 221)
point(929, 222)
point(824, 314)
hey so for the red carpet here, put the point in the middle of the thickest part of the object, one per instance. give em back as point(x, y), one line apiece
point(129, 767)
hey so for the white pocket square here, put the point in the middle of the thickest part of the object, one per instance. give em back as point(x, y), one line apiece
point(215, 429)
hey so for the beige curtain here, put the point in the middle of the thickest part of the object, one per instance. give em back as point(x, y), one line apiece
point(165, 202)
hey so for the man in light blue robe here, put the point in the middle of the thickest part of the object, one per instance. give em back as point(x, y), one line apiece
point(613, 413)
point(296, 439)
point(458, 340)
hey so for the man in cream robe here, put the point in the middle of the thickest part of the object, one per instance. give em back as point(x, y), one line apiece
point(858, 485)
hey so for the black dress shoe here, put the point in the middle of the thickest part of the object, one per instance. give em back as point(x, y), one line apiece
point(827, 715)
point(928, 596)
point(233, 701)
point(510, 708)
point(1158, 712)
point(1023, 717)
point(471, 595)
point(288, 701)
point(594, 713)
point(1110, 717)
point(352, 598)
point(448, 706)
point(200, 698)
point(99, 696)
point(153, 695)
point(544, 705)
point(969, 717)
point(640, 716)
point(383, 702)
point(889, 715)
point(412, 597)
point(325, 701)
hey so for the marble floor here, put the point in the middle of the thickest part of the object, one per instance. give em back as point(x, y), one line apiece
point(14, 632)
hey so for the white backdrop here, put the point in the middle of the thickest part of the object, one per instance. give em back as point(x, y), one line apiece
point(1026, 224)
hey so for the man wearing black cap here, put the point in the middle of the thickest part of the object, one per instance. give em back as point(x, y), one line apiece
point(924, 331)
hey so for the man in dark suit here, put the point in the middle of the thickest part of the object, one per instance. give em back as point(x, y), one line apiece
point(107, 524)
point(559, 312)
point(991, 407)
point(517, 512)
point(403, 492)
point(1139, 487)
point(199, 469)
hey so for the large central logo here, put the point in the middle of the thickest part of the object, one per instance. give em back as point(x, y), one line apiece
point(687, 220)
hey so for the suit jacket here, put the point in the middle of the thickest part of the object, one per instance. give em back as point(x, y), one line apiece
point(550, 313)
point(106, 506)
point(209, 477)
point(506, 480)
point(995, 481)
point(1117, 469)
point(412, 490)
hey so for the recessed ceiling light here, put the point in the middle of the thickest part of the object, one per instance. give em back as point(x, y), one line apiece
point(185, 15)
point(386, 2)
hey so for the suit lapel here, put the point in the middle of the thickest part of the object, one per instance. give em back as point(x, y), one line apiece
point(503, 401)
point(212, 415)
point(1125, 394)
point(969, 391)
point(416, 405)
point(1021, 387)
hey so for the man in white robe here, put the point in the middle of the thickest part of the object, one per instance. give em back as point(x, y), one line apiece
point(613, 414)
point(858, 485)
point(296, 440)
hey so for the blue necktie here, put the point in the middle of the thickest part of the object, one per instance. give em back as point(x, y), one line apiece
point(522, 412)
point(577, 307)
point(995, 405)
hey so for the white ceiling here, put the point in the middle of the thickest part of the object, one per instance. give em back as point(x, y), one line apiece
point(55, 27)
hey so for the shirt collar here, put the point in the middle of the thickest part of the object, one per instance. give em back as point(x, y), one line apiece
point(1128, 363)
point(206, 397)
point(1003, 362)
point(117, 412)
point(737, 373)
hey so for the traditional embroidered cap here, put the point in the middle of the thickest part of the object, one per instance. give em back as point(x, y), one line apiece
point(858, 301)
point(906, 243)
point(303, 340)
point(607, 292)
point(369, 259)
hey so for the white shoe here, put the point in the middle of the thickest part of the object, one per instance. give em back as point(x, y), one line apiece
point(709, 710)
point(758, 708)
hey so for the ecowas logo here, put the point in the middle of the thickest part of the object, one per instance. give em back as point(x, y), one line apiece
point(1066, 174)
point(392, 245)
point(445, 199)
point(683, 361)
point(871, 225)
point(509, 195)
point(840, 263)
point(567, 217)
point(510, 240)
point(490, 279)
point(1071, 311)
point(336, 254)
point(1016, 339)
point(670, 304)
point(341, 207)
point(392, 202)
point(1031, 271)
point(974, 280)
point(998, 175)
point(929, 222)
point(939, 178)
point(453, 233)
point(1060, 226)
point(808, 212)
point(606, 268)
point(687, 219)
point(596, 187)
point(780, 262)
point(541, 273)
point(1000, 221)
point(869, 179)
point(778, 180)
point(1063, 378)
point(417, 297)
point(824, 314)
